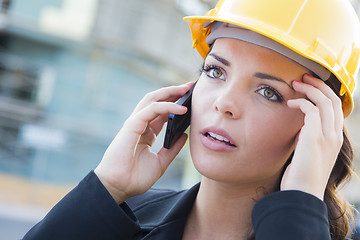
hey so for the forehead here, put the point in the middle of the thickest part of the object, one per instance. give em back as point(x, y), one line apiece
point(235, 50)
point(241, 59)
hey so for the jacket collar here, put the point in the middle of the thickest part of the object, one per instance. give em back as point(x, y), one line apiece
point(165, 216)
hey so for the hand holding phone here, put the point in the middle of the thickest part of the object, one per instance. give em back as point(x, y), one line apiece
point(177, 124)
point(129, 167)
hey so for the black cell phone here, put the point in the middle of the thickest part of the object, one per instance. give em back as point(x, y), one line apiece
point(177, 124)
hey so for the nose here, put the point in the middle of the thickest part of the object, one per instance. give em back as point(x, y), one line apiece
point(229, 102)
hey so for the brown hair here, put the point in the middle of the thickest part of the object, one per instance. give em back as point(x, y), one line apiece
point(339, 210)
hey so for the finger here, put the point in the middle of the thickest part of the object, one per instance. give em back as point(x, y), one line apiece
point(157, 124)
point(160, 109)
point(163, 94)
point(336, 101)
point(322, 102)
point(312, 120)
point(153, 130)
point(136, 125)
point(167, 155)
point(174, 99)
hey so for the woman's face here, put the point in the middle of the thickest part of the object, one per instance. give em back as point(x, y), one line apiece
point(242, 130)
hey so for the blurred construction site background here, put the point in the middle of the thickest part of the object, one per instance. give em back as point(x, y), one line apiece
point(70, 74)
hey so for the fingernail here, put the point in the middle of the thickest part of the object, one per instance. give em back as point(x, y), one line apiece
point(298, 81)
point(308, 75)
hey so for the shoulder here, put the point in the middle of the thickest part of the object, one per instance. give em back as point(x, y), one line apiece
point(285, 215)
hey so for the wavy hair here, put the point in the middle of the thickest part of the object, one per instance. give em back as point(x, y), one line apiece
point(340, 212)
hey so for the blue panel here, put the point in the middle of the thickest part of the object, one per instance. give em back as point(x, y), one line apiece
point(32, 9)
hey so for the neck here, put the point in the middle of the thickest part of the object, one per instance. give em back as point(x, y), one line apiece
point(223, 210)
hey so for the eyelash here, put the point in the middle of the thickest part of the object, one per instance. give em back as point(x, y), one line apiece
point(279, 98)
point(207, 68)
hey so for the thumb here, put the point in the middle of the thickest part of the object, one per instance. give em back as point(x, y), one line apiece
point(167, 155)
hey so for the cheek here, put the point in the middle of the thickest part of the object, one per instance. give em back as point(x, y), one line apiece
point(277, 135)
point(201, 102)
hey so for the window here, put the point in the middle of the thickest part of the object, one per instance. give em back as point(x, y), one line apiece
point(4, 4)
point(18, 79)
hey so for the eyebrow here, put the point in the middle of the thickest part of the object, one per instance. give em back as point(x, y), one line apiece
point(220, 59)
point(270, 77)
point(257, 74)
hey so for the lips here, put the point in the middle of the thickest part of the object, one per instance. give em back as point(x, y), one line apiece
point(217, 139)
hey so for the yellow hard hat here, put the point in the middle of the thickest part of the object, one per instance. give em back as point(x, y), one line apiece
point(324, 31)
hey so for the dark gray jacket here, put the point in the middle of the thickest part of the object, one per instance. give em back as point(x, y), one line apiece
point(89, 212)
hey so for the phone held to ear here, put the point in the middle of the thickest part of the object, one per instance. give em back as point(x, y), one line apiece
point(177, 124)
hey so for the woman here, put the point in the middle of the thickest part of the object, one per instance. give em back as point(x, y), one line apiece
point(266, 135)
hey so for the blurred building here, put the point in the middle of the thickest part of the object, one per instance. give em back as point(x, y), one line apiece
point(70, 74)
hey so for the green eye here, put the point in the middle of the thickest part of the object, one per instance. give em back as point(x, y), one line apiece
point(270, 94)
point(213, 72)
point(216, 73)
